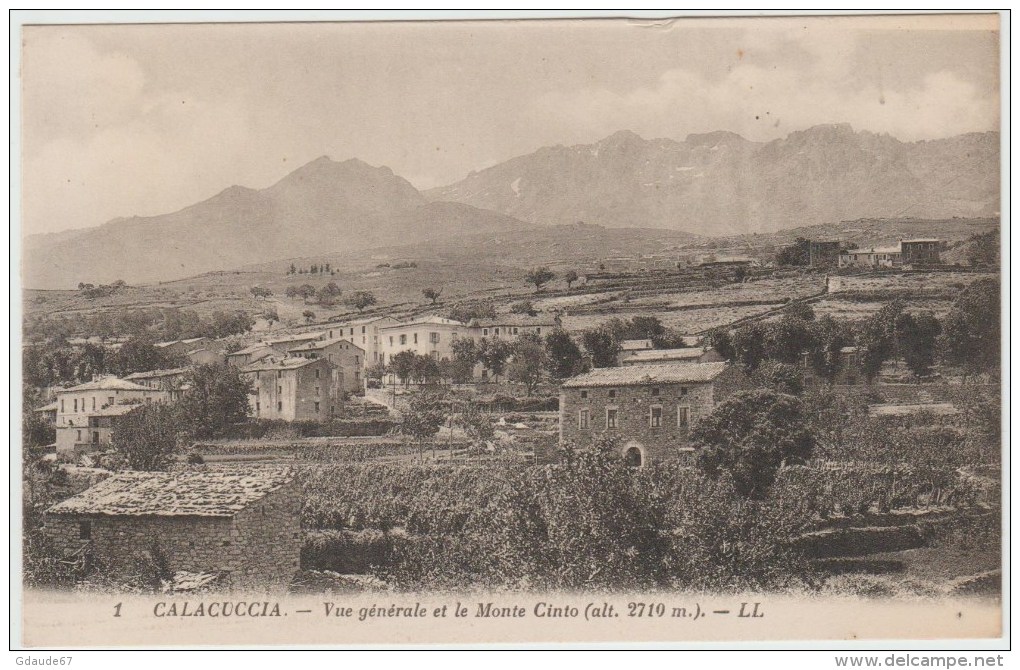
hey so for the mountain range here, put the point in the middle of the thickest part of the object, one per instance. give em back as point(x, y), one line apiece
point(711, 184)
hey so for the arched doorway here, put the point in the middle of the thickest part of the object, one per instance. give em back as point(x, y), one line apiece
point(633, 457)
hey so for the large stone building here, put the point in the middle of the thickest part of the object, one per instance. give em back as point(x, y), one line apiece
point(430, 336)
point(172, 381)
point(363, 333)
point(294, 389)
point(682, 355)
point(650, 409)
point(243, 524)
point(348, 362)
point(510, 327)
point(911, 253)
point(824, 253)
point(87, 413)
point(925, 251)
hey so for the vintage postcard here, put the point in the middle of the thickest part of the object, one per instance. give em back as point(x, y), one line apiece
point(644, 330)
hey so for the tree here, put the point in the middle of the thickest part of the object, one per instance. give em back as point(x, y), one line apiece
point(917, 338)
point(570, 277)
point(983, 248)
point(309, 315)
point(539, 277)
point(291, 292)
point(798, 253)
point(787, 339)
point(528, 363)
point(425, 369)
point(217, 399)
point(139, 354)
point(876, 338)
point(564, 356)
point(431, 294)
point(800, 310)
point(779, 377)
point(147, 437)
point(748, 343)
point(750, 436)
point(328, 294)
point(523, 307)
point(422, 419)
point(722, 342)
point(829, 336)
point(465, 355)
point(471, 311)
point(973, 328)
point(292, 269)
point(601, 347)
point(271, 316)
point(360, 300)
point(476, 424)
point(493, 353)
point(402, 365)
point(259, 292)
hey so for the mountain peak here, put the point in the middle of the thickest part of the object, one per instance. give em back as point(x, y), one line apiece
point(713, 138)
point(621, 138)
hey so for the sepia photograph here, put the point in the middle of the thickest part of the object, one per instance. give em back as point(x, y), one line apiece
point(646, 330)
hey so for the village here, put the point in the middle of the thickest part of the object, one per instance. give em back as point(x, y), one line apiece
point(311, 456)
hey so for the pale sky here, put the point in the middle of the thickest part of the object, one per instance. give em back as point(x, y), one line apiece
point(144, 120)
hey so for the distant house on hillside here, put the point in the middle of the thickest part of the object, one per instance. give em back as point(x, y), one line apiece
point(906, 253)
point(649, 408)
point(245, 525)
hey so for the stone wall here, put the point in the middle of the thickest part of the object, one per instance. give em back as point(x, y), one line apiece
point(259, 546)
point(634, 427)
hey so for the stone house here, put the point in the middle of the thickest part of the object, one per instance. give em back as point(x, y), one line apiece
point(250, 354)
point(181, 348)
point(509, 327)
point(172, 381)
point(294, 389)
point(824, 253)
point(284, 344)
point(206, 356)
point(683, 355)
point(650, 409)
point(86, 413)
point(348, 361)
point(430, 336)
point(363, 333)
point(245, 524)
point(921, 251)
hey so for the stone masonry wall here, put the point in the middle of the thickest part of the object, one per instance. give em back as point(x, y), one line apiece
point(259, 546)
point(634, 409)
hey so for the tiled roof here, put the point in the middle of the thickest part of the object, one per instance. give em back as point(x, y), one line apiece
point(251, 349)
point(219, 494)
point(425, 320)
point(635, 345)
point(157, 373)
point(686, 353)
point(296, 338)
point(106, 384)
point(290, 363)
point(640, 375)
point(514, 320)
point(52, 407)
point(322, 344)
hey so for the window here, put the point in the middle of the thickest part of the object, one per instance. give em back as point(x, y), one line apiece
point(258, 374)
point(391, 340)
point(403, 339)
point(279, 406)
point(279, 374)
point(75, 404)
point(612, 393)
point(258, 406)
point(316, 406)
point(485, 331)
point(352, 331)
point(538, 331)
point(434, 338)
point(317, 373)
point(279, 390)
point(357, 359)
point(362, 332)
point(655, 417)
point(416, 338)
point(79, 435)
point(655, 392)
point(582, 419)
point(93, 402)
point(495, 331)
point(683, 390)
point(110, 401)
point(584, 395)
point(515, 331)
point(317, 391)
point(611, 418)
point(683, 417)
point(61, 405)
point(85, 530)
